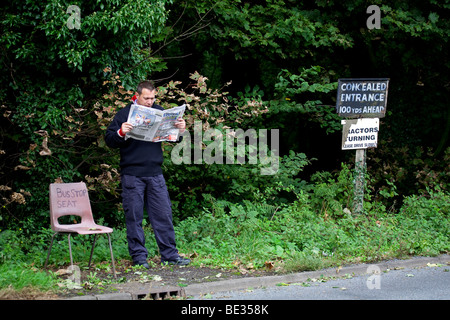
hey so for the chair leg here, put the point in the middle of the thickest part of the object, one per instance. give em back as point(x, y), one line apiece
point(49, 250)
point(70, 251)
point(112, 256)
point(92, 250)
point(110, 250)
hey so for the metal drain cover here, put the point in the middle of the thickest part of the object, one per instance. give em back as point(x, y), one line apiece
point(161, 293)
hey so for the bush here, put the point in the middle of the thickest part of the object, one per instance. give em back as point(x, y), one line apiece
point(255, 232)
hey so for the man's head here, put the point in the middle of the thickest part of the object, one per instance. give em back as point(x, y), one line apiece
point(146, 93)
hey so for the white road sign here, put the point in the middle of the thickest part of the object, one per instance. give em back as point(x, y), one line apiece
point(360, 133)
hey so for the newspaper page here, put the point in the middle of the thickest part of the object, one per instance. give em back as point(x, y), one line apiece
point(154, 125)
point(166, 130)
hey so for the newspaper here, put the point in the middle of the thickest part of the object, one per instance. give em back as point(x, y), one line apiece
point(154, 125)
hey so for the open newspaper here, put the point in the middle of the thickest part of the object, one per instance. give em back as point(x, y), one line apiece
point(154, 125)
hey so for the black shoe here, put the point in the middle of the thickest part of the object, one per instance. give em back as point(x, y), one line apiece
point(142, 263)
point(178, 261)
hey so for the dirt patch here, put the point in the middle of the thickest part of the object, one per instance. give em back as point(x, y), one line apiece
point(26, 294)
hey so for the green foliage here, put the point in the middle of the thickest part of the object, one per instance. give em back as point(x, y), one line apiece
point(331, 195)
point(427, 221)
point(61, 83)
point(292, 88)
point(302, 232)
point(21, 276)
point(189, 184)
point(263, 41)
point(400, 171)
point(272, 26)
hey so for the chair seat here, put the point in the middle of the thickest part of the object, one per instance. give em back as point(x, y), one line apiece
point(82, 228)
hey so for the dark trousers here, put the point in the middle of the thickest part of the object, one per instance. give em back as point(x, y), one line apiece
point(151, 193)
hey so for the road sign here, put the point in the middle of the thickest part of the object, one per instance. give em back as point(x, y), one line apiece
point(362, 98)
point(360, 133)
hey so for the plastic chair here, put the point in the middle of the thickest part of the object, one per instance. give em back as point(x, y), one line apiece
point(72, 199)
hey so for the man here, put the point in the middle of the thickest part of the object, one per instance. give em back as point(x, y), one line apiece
point(143, 184)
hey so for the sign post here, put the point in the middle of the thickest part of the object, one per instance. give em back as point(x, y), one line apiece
point(360, 170)
point(365, 101)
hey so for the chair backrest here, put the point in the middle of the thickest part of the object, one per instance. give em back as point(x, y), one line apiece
point(69, 199)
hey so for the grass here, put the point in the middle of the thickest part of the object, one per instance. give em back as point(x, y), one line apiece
point(20, 276)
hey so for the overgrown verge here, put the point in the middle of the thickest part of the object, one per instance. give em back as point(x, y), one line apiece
point(298, 236)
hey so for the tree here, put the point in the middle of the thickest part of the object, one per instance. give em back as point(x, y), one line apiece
point(265, 45)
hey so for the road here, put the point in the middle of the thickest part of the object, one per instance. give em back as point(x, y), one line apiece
point(402, 288)
point(416, 279)
point(429, 283)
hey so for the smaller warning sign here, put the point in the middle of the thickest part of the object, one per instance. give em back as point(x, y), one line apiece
point(360, 133)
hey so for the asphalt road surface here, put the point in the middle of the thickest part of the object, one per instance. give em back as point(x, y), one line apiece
point(427, 283)
point(419, 278)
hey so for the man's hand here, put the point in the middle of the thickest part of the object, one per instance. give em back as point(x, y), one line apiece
point(126, 127)
point(181, 124)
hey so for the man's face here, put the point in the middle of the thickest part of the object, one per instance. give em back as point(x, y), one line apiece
point(146, 98)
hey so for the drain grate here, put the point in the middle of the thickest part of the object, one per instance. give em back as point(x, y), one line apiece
point(162, 293)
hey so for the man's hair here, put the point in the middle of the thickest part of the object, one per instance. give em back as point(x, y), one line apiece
point(147, 84)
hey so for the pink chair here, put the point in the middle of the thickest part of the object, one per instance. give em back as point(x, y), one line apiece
point(72, 199)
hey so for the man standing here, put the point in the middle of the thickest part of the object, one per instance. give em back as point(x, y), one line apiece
point(143, 184)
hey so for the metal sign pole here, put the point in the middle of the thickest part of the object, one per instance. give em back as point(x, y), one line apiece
point(360, 165)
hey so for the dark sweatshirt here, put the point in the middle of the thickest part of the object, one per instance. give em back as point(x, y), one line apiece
point(137, 158)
